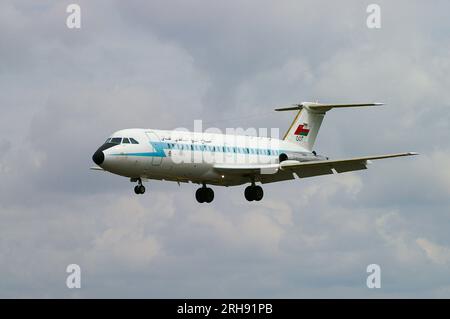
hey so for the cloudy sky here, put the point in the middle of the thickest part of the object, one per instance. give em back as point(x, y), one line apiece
point(164, 64)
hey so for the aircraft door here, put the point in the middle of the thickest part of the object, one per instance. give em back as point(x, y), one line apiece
point(153, 137)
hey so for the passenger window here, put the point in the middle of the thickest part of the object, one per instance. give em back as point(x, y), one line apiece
point(125, 141)
point(116, 140)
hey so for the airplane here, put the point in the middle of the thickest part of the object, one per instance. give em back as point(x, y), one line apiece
point(227, 159)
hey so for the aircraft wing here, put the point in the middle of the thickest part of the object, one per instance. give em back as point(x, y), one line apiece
point(306, 169)
point(315, 168)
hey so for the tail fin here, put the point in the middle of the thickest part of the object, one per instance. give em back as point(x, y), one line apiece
point(305, 127)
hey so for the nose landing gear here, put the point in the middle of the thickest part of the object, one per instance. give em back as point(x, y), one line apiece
point(139, 188)
point(204, 194)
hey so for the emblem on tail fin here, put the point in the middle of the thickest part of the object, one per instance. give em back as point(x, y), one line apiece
point(301, 131)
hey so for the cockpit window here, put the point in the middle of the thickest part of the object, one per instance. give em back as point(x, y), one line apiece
point(116, 140)
point(125, 141)
point(107, 141)
point(133, 141)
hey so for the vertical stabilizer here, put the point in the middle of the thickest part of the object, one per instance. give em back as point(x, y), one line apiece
point(305, 127)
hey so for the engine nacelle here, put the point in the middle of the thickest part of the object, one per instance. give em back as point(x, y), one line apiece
point(292, 156)
point(296, 156)
point(300, 157)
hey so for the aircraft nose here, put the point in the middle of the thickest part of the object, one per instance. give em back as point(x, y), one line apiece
point(98, 157)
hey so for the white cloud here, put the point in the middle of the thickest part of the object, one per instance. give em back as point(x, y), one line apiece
point(436, 253)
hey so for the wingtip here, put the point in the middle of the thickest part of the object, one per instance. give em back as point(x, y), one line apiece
point(413, 153)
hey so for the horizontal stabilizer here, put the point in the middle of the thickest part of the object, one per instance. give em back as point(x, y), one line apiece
point(322, 107)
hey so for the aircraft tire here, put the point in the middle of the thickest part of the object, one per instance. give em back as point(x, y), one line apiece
point(209, 195)
point(249, 193)
point(258, 193)
point(200, 195)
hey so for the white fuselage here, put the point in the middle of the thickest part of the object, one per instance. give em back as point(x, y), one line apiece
point(191, 156)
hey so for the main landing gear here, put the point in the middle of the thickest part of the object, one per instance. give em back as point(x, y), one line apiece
point(139, 188)
point(253, 192)
point(204, 194)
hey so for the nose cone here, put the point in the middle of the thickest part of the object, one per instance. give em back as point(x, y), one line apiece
point(98, 157)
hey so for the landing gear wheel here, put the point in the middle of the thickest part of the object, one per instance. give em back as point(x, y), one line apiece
point(204, 195)
point(248, 193)
point(258, 193)
point(252, 193)
point(139, 189)
point(209, 195)
point(199, 195)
